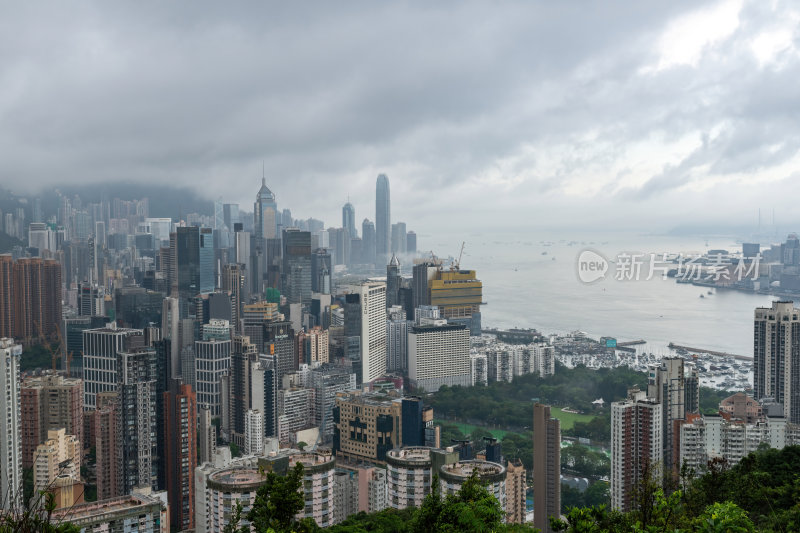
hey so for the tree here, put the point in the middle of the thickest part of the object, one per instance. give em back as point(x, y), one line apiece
point(35, 517)
point(472, 508)
point(590, 520)
point(726, 517)
point(277, 503)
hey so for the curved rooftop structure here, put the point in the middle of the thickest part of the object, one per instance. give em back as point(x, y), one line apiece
point(460, 471)
point(412, 456)
point(236, 479)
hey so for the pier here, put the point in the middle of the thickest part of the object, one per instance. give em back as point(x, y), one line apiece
point(674, 346)
point(630, 343)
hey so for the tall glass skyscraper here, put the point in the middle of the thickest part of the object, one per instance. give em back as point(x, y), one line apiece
point(265, 213)
point(206, 258)
point(383, 219)
point(349, 220)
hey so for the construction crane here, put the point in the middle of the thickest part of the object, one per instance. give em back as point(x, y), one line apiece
point(456, 265)
point(59, 351)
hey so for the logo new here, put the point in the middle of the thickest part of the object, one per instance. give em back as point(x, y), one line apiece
point(591, 266)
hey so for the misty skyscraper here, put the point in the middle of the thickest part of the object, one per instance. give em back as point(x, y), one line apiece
point(383, 224)
point(368, 242)
point(349, 220)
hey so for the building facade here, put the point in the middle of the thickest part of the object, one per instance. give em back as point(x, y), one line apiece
point(637, 444)
point(10, 437)
point(438, 354)
point(546, 467)
point(49, 401)
point(776, 356)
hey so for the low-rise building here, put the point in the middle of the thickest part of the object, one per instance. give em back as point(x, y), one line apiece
point(135, 513)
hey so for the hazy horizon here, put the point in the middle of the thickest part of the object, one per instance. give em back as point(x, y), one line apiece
point(510, 115)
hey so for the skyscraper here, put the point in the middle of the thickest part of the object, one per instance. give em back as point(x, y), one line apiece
point(30, 297)
point(184, 246)
point(411, 243)
point(776, 356)
point(180, 408)
point(243, 355)
point(372, 297)
point(636, 446)
point(100, 350)
point(49, 401)
point(212, 360)
point(296, 269)
point(205, 259)
point(207, 435)
point(105, 441)
point(321, 271)
point(438, 354)
point(349, 220)
point(393, 280)
point(264, 387)
point(368, 242)
point(546, 467)
point(424, 274)
point(676, 387)
point(396, 340)
point(11, 449)
point(136, 389)
point(399, 244)
point(265, 213)
point(383, 218)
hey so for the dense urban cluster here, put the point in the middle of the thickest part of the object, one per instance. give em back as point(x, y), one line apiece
point(191, 356)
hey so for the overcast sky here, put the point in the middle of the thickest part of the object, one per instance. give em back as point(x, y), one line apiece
point(531, 115)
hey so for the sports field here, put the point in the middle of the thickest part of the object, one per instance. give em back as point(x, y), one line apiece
point(568, 419)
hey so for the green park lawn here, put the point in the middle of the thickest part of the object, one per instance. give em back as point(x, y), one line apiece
point(568, 419)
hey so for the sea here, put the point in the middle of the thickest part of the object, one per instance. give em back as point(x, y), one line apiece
point(531, 281)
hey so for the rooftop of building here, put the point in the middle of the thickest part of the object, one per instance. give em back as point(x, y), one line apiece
point(235, 479)
point(120, 504)
point(461, 470)
point(415, 455)
point(377, 399)
point(313, 461)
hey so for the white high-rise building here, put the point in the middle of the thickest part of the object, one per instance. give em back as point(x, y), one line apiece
point(42, 237)
point(372, 297)
point(776, 357)
point(10, 437)
point(425, 313)
point(253, 432)
point(713, 436)
point(500, 364)
point(637, 444)
point(212, 360)
point(438, 354)
point(478, 370)
point(544, 357)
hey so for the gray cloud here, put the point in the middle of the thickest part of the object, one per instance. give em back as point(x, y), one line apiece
point(495, 106)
